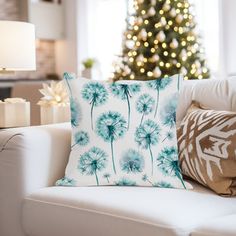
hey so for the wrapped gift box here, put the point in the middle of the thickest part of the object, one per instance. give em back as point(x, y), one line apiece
point(54, 114)
point(14, 113)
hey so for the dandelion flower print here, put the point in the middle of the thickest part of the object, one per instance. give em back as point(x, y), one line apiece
point(168, 163)
point(93, 161)
point(96, 94)
point(145, 105)
point(111, 126)
point(147, 135)
point(75, 112)
point(132, 162)
point(81, 138)
point(158, 85)
point(126, 182)
point(66, 182)
point(125, 92)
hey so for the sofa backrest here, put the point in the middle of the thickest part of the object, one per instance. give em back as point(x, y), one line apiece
point(212, 93)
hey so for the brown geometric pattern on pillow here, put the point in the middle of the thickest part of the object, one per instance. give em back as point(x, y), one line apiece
point(207, 148)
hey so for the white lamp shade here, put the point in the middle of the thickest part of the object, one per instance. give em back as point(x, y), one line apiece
point(17, 46)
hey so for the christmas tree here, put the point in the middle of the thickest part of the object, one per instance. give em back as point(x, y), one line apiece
point(161, 41)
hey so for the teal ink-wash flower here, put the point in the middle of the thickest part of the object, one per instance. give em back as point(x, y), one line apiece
point(125, 182)
point(75, 112)
point(107, 177)
point(81, 138)
point(169, 136)
point(68, 77)
point(111, 126)
point(158, 85)
point(145, 105)
point(146, 179)
point(125, 92)
point(93, 161)
point(147, 135)
point(167, 161)
point(168, 113)
point(96, 94)
point(66, 182)
point(162, 184)
point(132, 162)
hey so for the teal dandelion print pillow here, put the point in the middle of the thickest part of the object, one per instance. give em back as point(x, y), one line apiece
point(123, 133)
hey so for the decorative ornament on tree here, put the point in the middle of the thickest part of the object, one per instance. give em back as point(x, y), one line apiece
point(140, 1)
point(153, 2)
point(155, 58)
point(130, 44)
point(152, 11)
point(174, 44)
point(157, 72)
point(140, 58)
point(161, 36)
point(139, 21)
point(166, 7)
point(143, 35)
point(172, 12)
point(179, 18)
point(163, 21)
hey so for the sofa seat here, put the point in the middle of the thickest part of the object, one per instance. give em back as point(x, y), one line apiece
point(120, 211)
point(222, 226)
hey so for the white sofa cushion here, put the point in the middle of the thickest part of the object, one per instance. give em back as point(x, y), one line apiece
point(222, 226)
point(120, 211)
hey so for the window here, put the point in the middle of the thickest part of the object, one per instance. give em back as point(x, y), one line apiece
point(207, 18)
point(106, 24)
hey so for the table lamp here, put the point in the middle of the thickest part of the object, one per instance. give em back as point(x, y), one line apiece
point(17, 46)
point(17, 53)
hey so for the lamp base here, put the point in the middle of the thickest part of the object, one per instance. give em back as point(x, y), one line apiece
point(4, 71)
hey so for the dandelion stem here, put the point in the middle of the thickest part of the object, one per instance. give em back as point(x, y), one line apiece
point(112, 154)
point(157, 101)
point(141, 119)
point(150, 150)
point(92, 114)
point(128, 103)
point(180, 178)
point(96, 177)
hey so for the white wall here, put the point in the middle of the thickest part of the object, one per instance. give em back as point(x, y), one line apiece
point(66, 50)
point(228, 31)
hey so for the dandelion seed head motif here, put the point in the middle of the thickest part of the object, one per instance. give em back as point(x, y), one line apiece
point(66, 182)
point(123, 91)
point(162, 184)
point(125, 182)
point(147, 134)
point(75, 112)
point(159, 83)
point(168, 113)
point(81, 138)
point(145, 178)
point(111, 126)
point(168, 161)
point(95, 93)
point(145, 104)
point(132, 162)
point(92, 161)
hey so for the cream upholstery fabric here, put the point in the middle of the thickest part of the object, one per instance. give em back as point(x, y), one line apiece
point(222, 226)
point(30, 159)
point(117, 210)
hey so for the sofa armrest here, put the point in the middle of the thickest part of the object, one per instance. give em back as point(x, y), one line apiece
point(30, 158)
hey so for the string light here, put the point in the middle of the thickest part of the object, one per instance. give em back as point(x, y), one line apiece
point(129, 36)
point(177, 11)
point(161, 12)
point(132, 76)
point(183, 43)
point(138, 44)
point(165, 53)
point(145, 59)
point(161, 63)
point(143, 12)
point(139, 63)
point(136, 27)
point(153, 50)
point(157, 25)
point(135, 38)
point(142, 70)
point(200, 77)
point(170, 22)
point(186, 77)
point(155, 41)
point(146, 44)
point(131, 59)
point(164, 45)
point(179, 4)
point(167, 65)
point(134, 53)
point(146, 22)
point(150, 74)
point(178, 65)
point(149, 34)
point(173, 54)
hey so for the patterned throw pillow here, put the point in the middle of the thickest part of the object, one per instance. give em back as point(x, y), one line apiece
point(123, 133)
point(207, 148)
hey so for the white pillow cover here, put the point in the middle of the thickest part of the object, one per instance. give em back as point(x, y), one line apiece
point(123, 133)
